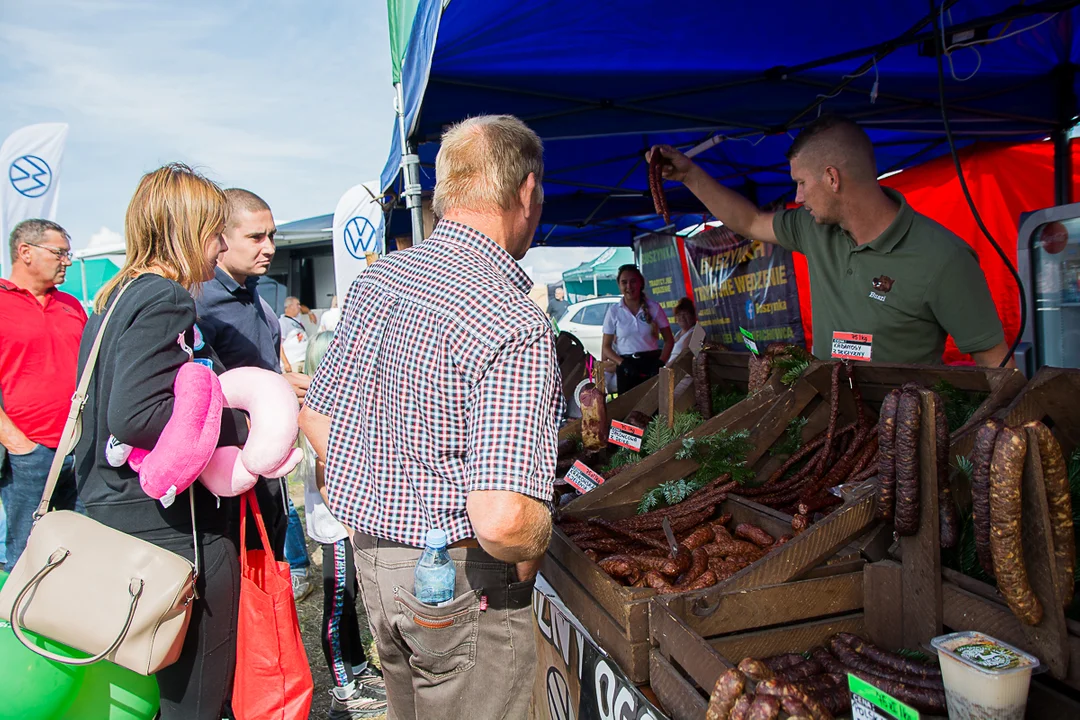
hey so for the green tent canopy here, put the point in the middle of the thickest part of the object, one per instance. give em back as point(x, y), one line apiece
point(98, 271)
point(598, 276)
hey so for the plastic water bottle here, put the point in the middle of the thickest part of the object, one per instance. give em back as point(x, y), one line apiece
point(434, 575)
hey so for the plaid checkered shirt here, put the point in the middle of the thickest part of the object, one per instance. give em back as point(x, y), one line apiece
point(441, 379)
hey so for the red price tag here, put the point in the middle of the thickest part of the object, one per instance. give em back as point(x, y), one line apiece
point(583, 478)
point(626, 435)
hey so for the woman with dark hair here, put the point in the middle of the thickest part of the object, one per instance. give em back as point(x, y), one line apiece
point(691, 335)
point(173, 230)
point(632, 328)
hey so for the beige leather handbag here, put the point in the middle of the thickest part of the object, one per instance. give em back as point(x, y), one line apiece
point(96, 589)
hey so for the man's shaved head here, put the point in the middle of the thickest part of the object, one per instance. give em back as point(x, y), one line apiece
point(244, 201)
point(835, 141)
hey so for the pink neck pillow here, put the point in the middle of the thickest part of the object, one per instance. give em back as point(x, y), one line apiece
point(188, 440)
point(271, 450)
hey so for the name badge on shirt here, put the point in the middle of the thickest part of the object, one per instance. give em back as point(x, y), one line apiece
point(626, 435)
point(852, 346)
point(583, 478)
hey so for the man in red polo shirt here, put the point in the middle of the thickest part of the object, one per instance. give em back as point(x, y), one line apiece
point(39, 352)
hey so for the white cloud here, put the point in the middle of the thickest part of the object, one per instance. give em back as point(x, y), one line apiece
point(290, 100)
point(547, 264)
point(105, 238)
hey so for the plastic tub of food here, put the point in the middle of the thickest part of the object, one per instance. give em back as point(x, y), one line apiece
point(985, 679)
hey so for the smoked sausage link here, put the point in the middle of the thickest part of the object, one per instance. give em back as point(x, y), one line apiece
point(908, 416)
point(727, 690)
point(981, 455)
point(887, 456)
point(948, 515)
point(1006, 472)
point(1056, 479)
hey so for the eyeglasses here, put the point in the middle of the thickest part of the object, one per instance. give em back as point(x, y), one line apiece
point(60, 254)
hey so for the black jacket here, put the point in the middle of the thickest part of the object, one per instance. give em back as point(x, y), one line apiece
point(131, 397)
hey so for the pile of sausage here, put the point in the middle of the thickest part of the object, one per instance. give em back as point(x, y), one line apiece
point(816, 688)
point(656, 185)
point(898, 465)
point(635, 552)
point(998, 458)
point(837, 456)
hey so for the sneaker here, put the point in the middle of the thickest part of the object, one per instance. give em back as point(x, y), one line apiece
point(370, 683)
point(301, 587)
point(355, 707)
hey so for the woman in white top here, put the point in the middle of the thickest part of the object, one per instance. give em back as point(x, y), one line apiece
point(691, 335)
point(631, 331)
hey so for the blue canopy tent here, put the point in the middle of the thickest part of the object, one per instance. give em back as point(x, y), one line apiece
point(604, 80)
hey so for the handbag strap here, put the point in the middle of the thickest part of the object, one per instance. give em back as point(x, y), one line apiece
point(69, 438)
point(249, 497)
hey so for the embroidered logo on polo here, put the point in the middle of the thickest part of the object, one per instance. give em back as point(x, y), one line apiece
point(882, 285)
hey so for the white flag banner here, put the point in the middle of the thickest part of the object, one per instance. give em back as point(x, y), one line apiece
point(359, 229)
point(30, 157)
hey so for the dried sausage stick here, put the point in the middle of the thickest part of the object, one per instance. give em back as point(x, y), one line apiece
point(1056, 479)
point(702, 389)
point(699, 563)
point(805, 669)
point(751, 532)
point(702, 536)
point(706, 579)
point(728, 688)
point(887, 456)
point(1006, 547)
point(834, 414)
point(794, 708)
point(854, 661)
point(776, 663)
point(639, 537)
point(890, 660)
point(948, 514)
point(981, 456)
point(908, 414)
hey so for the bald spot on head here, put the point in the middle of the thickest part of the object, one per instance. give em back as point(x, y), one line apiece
point(836, 142)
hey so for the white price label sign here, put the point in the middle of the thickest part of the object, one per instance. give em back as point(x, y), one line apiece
point(626, 435)
point(583, 478)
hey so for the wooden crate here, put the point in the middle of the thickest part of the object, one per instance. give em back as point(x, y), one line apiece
point(619, 614)
point(923, 598)
point(687, 656)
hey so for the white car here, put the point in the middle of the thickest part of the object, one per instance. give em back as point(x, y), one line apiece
point(585, 320)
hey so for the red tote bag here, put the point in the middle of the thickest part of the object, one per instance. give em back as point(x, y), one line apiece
point(273, 678)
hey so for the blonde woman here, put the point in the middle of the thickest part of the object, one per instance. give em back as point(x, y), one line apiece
point(173, 230)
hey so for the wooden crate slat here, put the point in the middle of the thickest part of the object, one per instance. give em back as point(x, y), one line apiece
point(883, 584)
point(676, 642)
point(680, 699)
point(632, 656)
point(791, 638)
point(740, 610)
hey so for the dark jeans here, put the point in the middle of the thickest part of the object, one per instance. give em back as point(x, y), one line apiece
point(295, 543)
point(636, 369)
point(22, 480)
point(199, 683)
point(341, 643)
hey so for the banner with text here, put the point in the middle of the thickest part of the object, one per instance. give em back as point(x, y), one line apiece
point(575, 679)
point(743, 283)
point(662, 268)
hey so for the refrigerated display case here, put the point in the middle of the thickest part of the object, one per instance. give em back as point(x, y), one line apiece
point(1048, 260)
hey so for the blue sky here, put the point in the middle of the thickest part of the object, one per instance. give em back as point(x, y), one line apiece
point(291, 100)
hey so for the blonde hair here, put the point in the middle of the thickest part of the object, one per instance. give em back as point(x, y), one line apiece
point(172, 216)
point(482, 163)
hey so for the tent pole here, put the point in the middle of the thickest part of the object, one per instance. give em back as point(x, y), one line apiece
point(1063, 169)
point(410, 167)
point(82, 270)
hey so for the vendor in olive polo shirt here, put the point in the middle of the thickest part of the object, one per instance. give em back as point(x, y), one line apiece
point(887, 284)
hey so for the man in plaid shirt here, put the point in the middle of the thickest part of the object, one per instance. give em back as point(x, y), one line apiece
point(438, 406)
